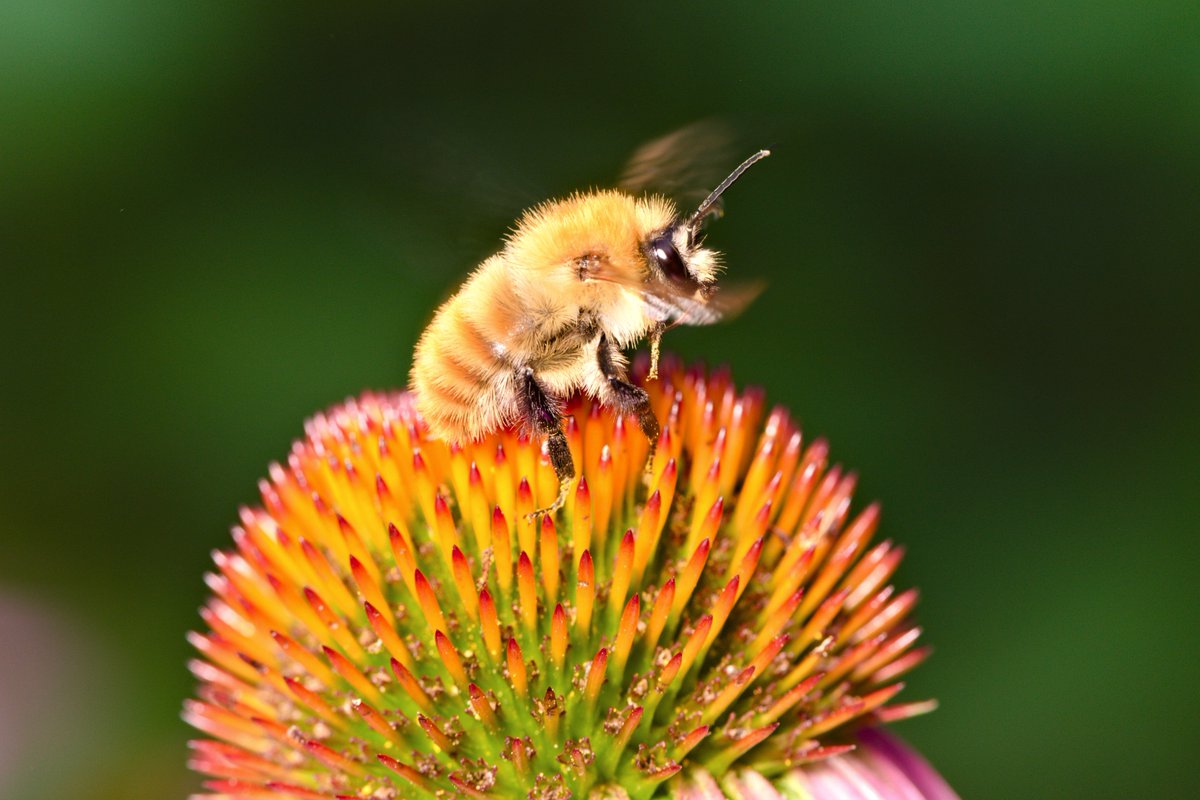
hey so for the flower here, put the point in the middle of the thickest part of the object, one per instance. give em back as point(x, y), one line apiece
point(880, 767)
point(392, 621)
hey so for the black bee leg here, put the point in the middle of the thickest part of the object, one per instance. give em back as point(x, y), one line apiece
point(541, 415)
point(628, 399)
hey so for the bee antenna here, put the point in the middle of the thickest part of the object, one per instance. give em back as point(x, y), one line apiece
point(705, 208)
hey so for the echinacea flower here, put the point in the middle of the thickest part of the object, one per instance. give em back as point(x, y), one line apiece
point(392, 622)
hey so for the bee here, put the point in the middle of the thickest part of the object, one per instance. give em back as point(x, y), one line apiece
point(577, 281)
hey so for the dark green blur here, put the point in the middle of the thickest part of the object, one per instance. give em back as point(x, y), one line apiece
point(980, 229)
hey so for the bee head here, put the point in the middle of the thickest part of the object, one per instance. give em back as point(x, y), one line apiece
point(675, 257)
point(674, 252)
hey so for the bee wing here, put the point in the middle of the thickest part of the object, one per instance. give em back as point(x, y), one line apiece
point(684, 164)
point(681, 303)
point(676, 305)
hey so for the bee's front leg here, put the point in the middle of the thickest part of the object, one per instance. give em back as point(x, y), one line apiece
point(656, 335)
point(540, 414)
point(625, 397)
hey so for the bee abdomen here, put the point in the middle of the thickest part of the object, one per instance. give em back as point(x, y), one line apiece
point(462, 383)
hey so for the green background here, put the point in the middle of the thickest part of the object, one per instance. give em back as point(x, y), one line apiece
point(980, 231)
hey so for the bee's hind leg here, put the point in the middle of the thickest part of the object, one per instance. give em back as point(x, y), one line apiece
point(625, 397)
point(541, 415)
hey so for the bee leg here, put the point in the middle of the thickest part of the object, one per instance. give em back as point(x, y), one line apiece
point(541, 415)
point(627, 398)
point(655, 349)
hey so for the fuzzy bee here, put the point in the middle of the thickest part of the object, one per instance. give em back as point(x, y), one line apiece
point(577, 281)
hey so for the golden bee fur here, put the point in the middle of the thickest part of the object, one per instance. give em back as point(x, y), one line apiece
point(564, 260)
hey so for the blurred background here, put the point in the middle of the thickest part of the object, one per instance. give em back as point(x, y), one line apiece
point(979, 228)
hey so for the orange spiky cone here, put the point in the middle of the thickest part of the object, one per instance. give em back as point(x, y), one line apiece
point(389, 623)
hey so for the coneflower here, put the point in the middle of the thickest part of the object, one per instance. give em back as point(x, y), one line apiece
point(393, 623)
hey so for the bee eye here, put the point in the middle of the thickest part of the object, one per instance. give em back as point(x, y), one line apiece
point(668, 258)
